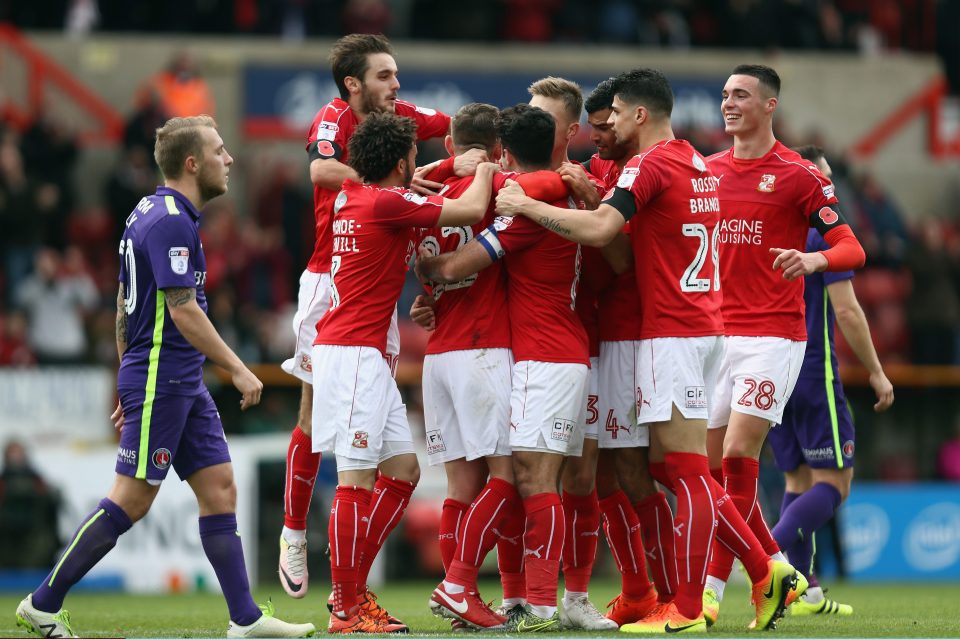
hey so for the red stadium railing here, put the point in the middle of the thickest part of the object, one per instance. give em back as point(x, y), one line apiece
point(926, 102)
point(41, 71)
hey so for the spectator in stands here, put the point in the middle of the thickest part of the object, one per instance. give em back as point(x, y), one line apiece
point(50, 153)
point(133, 177)
point(140, 130)
point(887, 236)
point(56, 299)
point(933, 311)
point(530, 20)
point(27, 207)
point(14, 349)
point(182, 91)
point(29, 536)
point(367, 16)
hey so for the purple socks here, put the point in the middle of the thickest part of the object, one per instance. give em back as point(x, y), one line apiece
point(800, 517)
point(221, 543)
point(94, 538)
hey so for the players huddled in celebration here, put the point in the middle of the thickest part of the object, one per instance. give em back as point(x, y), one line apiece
point(597, 331)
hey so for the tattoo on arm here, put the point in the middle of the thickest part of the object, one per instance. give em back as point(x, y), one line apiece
point(554, 226)
point(180, 296)
point(121, 328)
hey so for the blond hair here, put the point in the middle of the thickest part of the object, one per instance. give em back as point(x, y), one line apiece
point(561, 89)
point(178, 139)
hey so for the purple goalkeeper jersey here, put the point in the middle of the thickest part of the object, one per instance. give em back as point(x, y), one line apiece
point(160, 250)
point(820, 355)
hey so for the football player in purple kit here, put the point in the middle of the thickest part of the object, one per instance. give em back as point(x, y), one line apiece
point(814, 445)
point(166, 416)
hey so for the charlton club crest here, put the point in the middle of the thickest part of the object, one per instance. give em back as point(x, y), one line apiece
point(766, 183)
point(161, 458)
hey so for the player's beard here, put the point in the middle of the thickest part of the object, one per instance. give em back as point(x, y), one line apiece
point(407, 174)
point(210, 185)
point(368, 104)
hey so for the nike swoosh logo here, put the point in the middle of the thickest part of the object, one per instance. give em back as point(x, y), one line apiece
point(769, 594)
point(457, 607)
point(673, 629)
point(294, 587)
point(523, 625)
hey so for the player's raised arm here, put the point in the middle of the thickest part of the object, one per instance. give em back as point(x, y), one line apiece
point(472, 257)
point(593, 228)
point(470, 207)
point(330, 173)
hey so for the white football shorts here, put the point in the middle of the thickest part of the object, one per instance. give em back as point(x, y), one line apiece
point(360, 407)
point(756, 377)
point(466, 404)
point(547, 407)
point(676, 371)
point(618, 397)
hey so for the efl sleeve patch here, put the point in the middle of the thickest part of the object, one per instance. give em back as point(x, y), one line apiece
point(179, 259)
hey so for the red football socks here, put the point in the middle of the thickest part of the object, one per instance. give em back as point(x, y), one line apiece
point(622, 528)
point(390, 499)
point(478, 533)
point(450, 517)
point(347, 535)
point(302, 466)
point(656, 526)
point(543, 547)
point(693, 527)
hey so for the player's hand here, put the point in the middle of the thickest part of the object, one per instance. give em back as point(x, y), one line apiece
point(511, 200)
point(884, 390)
point(575, 177)
point(422, 313)
point(796, 264)
point(423, 186)
point(117, 418)
point(466, 163)
point(485, 168)
point(421, 265)
point(249, 386)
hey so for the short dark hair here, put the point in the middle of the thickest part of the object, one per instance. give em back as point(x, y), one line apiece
point(348, 57)
point(178, 139)
point(767, 76)
point(602, 96)
point(378, 143)
point(475, 127)
point(810, 152)
point(527, 132)
point(648, 87)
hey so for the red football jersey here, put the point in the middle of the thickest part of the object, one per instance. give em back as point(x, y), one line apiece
point(543, 270)
point(373, 240)
point(765, 203)
point(595, 275)
point(674, 196)
point(471, 313)
point(332, 128)
point(619, 303)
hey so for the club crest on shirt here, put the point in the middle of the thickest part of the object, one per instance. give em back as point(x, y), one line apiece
point(766, 183)
point(360, 439)
point(179, 258)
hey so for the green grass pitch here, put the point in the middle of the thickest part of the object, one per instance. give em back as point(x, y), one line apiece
point(900, 610)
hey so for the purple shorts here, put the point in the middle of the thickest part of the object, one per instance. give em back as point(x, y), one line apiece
point(175, 430)
point(817, 428)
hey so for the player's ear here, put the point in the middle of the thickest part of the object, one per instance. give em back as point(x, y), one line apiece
point(497, 153)
point(572, 130)
point(771, 105)
point(448, 143)
point(192, 164)
point(354, 85)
